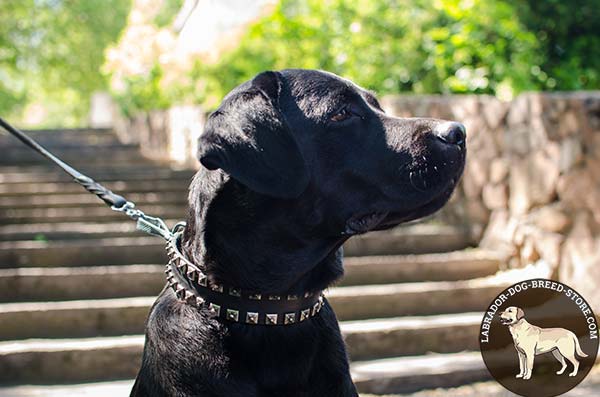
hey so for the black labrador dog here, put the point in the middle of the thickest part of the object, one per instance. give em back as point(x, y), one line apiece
point(294, 163)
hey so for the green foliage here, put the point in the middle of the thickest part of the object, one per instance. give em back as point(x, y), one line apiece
point(568, 33)
point(51, 52)
point(13, 28)
point(168, 12)
point(143, 92)
point(391, 45)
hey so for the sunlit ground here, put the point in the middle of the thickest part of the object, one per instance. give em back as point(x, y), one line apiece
point(590, 387)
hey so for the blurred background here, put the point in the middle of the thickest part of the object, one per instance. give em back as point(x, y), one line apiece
point(121, 90)
point(152, 54)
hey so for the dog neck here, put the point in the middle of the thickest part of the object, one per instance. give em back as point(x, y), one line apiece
point(255, 242)
point(519, 324)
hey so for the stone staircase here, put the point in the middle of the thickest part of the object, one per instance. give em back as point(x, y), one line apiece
point(409, 306)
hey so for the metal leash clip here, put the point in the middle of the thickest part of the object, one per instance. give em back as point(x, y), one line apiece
point(146, 223)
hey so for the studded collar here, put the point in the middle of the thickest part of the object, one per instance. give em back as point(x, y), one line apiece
point(192, 286)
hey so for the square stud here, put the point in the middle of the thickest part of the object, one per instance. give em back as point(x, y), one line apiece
point(271, 319)
point(235, 292)
point(216, 309)
point(292, 297)
point(170, 250)
point(180, 263)
point(217, 288)
point(255, 297)
point(190, 297)
point(232, 315)
point(304, 314)
point(252, 318)
point(315, 309)
point(203, 280)
point(167, 269)
point(274, 297)
point(180, 292)
point(290, 318)
point(199, 301)
point(192, 274)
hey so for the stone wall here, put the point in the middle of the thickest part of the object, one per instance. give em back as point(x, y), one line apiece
point(165, 135)
point(531, 187)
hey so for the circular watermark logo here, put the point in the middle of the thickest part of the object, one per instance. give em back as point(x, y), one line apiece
point(539, 338)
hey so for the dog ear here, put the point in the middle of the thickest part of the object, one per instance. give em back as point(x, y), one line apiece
point(249, 139)
point(520, 313)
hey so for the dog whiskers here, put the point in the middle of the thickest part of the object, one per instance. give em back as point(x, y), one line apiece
point(412, 182)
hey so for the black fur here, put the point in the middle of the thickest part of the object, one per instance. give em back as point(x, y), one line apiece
point(288, 177)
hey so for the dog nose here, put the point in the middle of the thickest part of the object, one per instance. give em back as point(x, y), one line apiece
point(451, 132)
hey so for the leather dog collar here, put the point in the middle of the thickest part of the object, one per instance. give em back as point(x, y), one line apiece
point(192, 286)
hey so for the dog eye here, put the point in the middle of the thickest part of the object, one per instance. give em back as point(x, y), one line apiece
point(341, 115)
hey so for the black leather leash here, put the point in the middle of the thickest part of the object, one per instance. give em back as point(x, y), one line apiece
point(149, 224)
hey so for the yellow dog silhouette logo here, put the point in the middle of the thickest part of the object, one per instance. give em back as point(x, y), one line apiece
point(531, 340)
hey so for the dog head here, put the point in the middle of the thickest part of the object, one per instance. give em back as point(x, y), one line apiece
point(511, 315)
point(319, 141)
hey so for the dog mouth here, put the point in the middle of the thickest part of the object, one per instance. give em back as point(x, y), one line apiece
point(428, 208)
point(426, 179)
point(505, 321)
point(365, 223)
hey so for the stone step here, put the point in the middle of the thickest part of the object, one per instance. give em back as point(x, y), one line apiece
point(23, 155)
point(74, 319)
point(51, 361)
point(447, 266)
point(61, 146)
point(87, 200)
point(70, 360)
point(415, 239)
point(115, 159)
point(117, 388)
point(114, 251)
point(113, 155)
point(376, 338)
point(120, 187)
point(409, 336)
point(410, 374)
point(99, 213)
point(127, 315)
point(85, 136)
point(146, 172)
point(415, 299)
point(128, 250)
point(72, 230)
point(98, 282)
point(588, 388)
point(73, 283)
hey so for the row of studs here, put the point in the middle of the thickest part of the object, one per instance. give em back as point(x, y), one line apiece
point(197, 276)
point(233, 315)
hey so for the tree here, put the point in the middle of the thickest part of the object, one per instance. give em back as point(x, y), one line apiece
point(569, 37)
point(497, 47)
point(51, 52)
point(391, 46)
